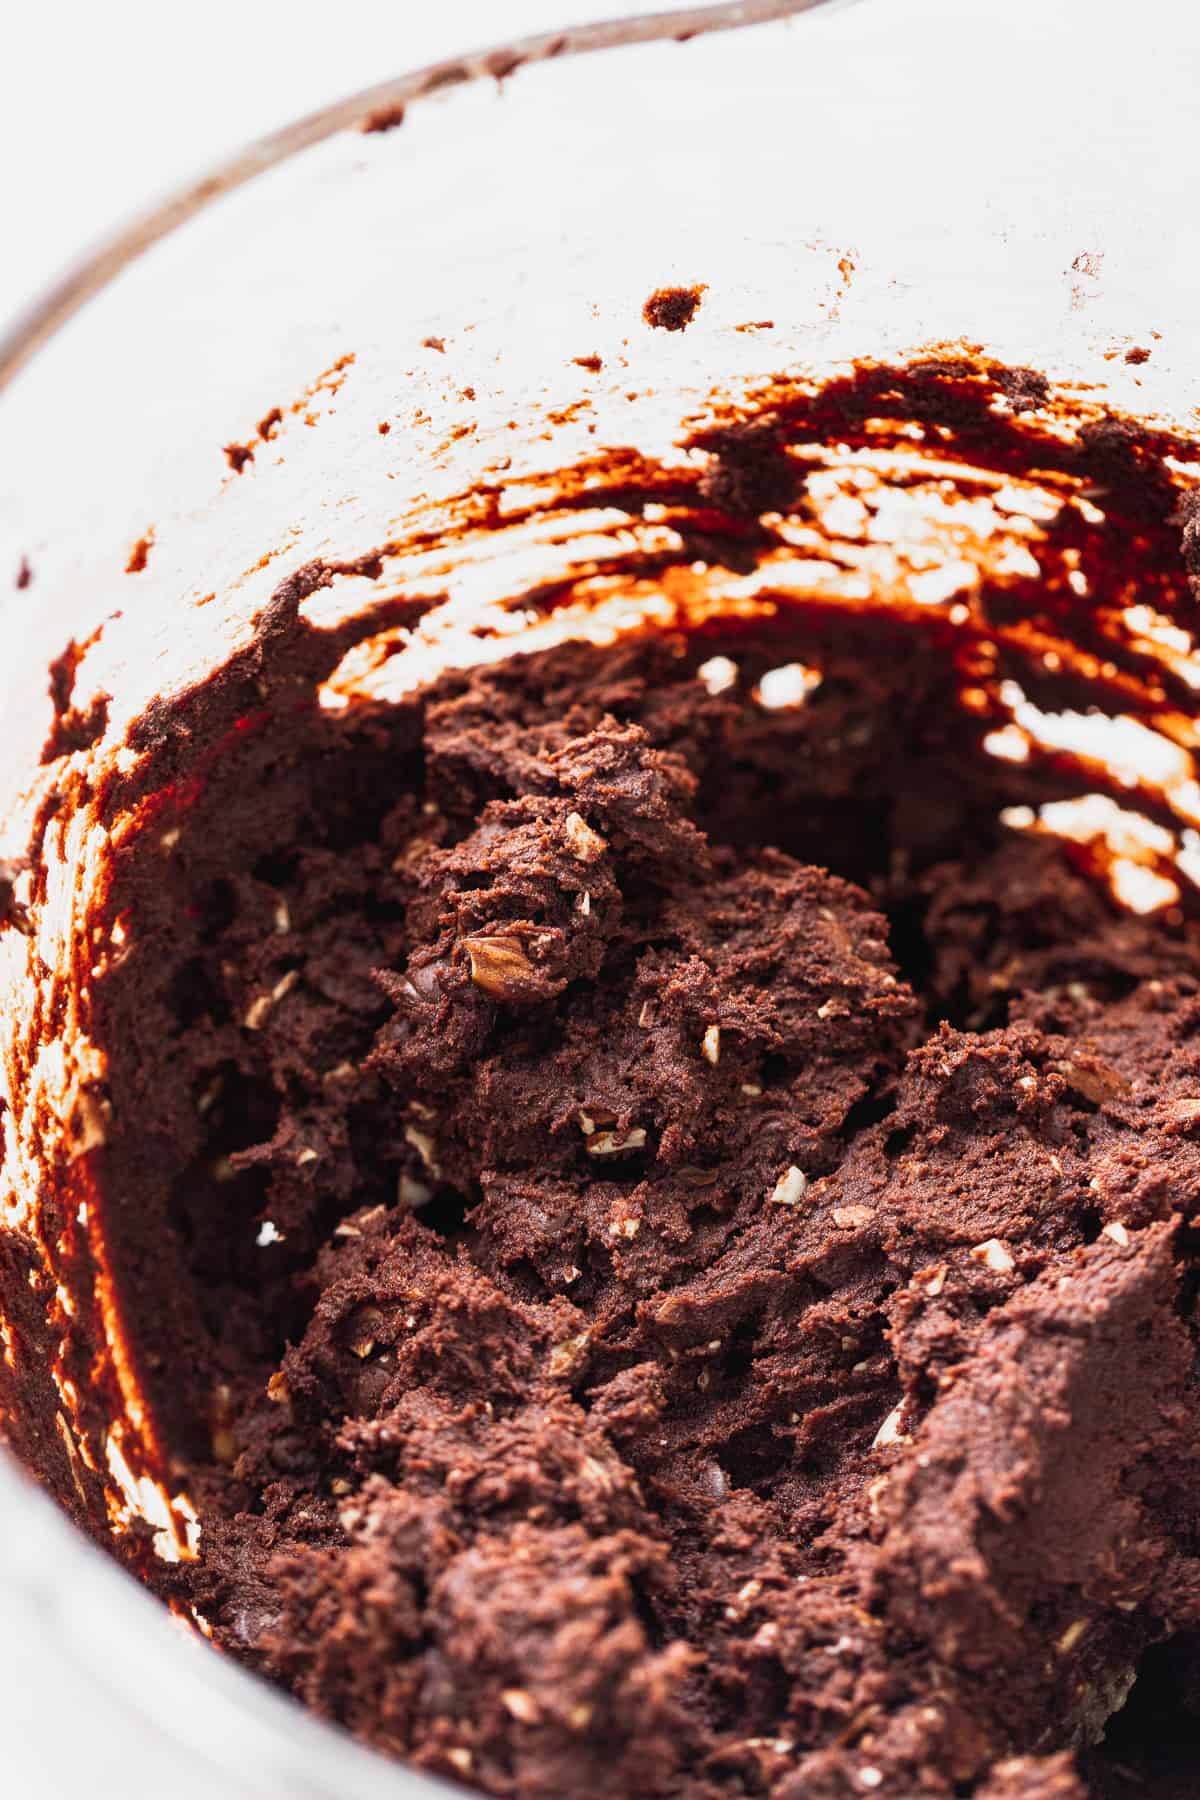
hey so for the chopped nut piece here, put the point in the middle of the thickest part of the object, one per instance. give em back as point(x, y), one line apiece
point(565, 1356)
point(1117, 1232)
point(361, 1339)
point(875, 1492)
point(307, 1155)
point(627, 1227)
point(579, 1717)
point(586, 1123)
point(499, 966)
point(584, 844)
point(283, 918)
point(889, 1432)
point(278, 1389)
point(423, 1144)
point(521, 1705)
point(1071, 1636)
point(224, 1446)
point(462, 1759)
point(791, 1187)
point(1094, 1080)
point(412, 1193)
point(584, 904)
point(849, 1218)
point(257, 1011)
point(339, 1487)
point(716, 1481)
point(751, 1090)
point(994, 1256)
point(607, 1143)
point(710, 1046)
point(648, 1015)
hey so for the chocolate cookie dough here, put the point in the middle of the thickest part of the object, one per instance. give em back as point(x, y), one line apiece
point(688, 1368)
point(660, 1225)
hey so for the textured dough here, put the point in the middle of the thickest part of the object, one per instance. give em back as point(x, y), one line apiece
point(647, 1347)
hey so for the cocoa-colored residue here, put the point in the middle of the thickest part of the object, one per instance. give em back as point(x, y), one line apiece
point(673, 308)
point(73, 728)
point(139, 555)
point(592, 362)
point(24, 573)
point(384, 118)
point(11, 910)
point(1138, 354)
point(502, 63)
point(328, 382)
point(238, 455)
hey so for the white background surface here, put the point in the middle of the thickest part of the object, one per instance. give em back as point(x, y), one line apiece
point(103, 107)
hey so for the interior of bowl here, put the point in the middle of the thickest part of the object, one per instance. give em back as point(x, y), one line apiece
point(532, 363)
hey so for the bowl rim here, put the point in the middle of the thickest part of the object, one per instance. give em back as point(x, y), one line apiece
point(36, 323)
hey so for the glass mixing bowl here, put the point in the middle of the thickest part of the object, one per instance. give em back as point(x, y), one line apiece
point(462, 256)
